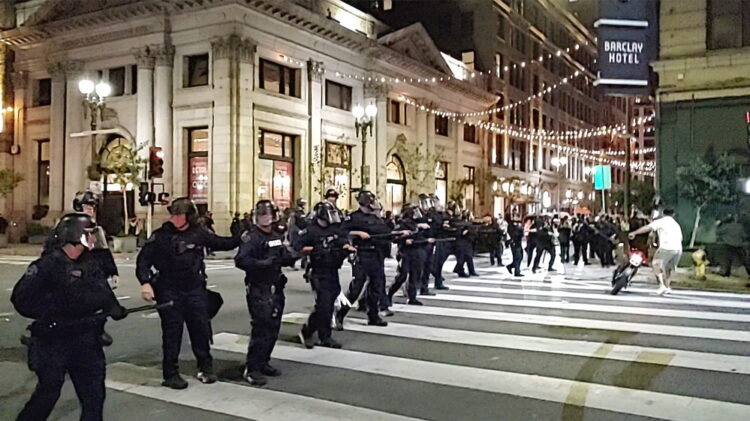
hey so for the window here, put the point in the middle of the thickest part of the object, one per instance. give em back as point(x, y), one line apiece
point(395, 186)
point(502, 27)
point(499, 64)
point(469, 188)
point(280, 79)
point(116, 79)
point(276, 168)
point(338, 95)
point(517, 155)
point(470, 133)
point(499, 105)
point(441, 181)
point(499, 157)
point(42, 197)
point(198, 174)
point(728, 24)
point(441, 125)
point(42, 92)
point(133, 79)
point(195, 70)
point(397, 113)
point(338, 171)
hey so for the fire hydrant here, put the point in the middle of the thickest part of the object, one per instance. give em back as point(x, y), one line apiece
point(700, 262)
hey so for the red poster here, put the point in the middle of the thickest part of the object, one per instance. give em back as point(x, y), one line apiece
point(199, 179)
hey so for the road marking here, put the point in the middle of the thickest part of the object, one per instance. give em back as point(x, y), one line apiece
point(150, 315)
point(588, 324)
point(604, 297)
point(238, 400)
point(604, 397)
point(658, 356)
point(123, 297)
point(557, 305)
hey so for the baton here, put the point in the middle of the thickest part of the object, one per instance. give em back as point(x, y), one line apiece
point(149, 307)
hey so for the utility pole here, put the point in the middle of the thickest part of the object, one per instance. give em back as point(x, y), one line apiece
point(626, 196)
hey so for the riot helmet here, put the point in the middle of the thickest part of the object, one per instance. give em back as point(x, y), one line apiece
point(75, 228)
point(410, 211)
point(453, 209)
point(426, 202)
point(331, 192)
point(326, 214)
point(86, 197)
point(301, 203)
point(368, 202)
point(184, 206)
point(265, 213)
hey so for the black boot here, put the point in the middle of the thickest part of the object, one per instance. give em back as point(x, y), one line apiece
point(175, 382)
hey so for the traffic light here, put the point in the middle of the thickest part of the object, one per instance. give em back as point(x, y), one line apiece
point(144, 194)
point(155, 162)
point(747, 127)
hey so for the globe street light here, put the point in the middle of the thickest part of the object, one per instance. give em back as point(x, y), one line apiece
point(93, 101)
point(364, 119)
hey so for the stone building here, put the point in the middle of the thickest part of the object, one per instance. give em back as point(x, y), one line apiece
point(248, 99)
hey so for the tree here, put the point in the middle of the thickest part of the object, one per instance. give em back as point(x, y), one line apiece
point(126, 168)
point(641, 195)
point(418, 165)
point(9, 180)
point(708, 181)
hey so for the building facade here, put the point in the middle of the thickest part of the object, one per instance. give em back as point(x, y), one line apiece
point(703, 94)
point(527, 46)
point(247, 99)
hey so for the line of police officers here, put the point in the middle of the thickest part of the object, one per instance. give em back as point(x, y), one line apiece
point(68, 290)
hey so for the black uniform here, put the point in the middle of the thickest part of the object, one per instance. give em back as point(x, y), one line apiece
point(66, 333)
point(437, 253)
point(180, 277)
point(464, 249)
point(581, 236)
point(544, 243)
point(412, 261)
point(369, 263)
point(325, 261)
point(564, 238)
point(515, 233)
point(261, 256)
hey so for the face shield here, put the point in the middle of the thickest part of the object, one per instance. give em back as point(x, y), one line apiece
point(426, 203)
point(417, 213)
point(265, 214)
point(326, 214)
point(101, 239)
point(88, 238)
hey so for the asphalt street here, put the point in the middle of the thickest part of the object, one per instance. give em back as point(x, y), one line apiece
point(549, 346)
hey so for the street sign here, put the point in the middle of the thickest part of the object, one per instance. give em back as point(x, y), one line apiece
point(602, 177)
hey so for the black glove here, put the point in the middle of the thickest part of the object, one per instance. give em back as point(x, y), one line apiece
point(118, 312)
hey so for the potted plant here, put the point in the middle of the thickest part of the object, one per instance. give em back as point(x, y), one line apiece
point(37, 233)
point(126, 168)
point(9, 180)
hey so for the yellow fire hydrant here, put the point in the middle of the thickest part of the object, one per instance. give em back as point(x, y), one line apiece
point(700, 262)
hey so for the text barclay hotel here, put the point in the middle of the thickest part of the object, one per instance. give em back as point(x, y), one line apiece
point(623, 52)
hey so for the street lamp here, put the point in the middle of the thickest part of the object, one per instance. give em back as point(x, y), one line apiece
point(364, 119)
point(93, 101)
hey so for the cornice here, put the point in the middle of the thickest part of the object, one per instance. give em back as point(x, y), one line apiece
point(234, 47)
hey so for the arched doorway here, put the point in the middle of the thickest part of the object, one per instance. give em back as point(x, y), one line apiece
point(395, 188)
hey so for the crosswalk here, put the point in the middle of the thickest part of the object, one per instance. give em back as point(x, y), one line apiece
point(496, 348)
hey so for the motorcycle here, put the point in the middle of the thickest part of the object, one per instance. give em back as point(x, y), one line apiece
point(623, 275)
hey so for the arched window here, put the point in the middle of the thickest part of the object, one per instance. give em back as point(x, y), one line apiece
point(395, 185)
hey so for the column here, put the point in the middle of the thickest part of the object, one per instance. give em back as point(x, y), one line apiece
point(77, 151)
point(421, 123)
point(17, 202)
point(144, 126)
point(316, 149)
point(57, 141)
point(377, 146)
point(230, 171)
point(163, 135)
point(431, 150)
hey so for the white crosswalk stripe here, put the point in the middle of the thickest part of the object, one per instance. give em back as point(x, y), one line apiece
point(691, 363)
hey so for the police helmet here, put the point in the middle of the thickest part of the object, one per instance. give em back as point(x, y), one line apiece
point(86, 197)
point(453, 209)
point(426, 202)
point(410, 211)
point(367, 200)
point(74, 228)
point(265, 213)
point(301, 203)
point(326, 213)
point(331, 192)
point(184, 206)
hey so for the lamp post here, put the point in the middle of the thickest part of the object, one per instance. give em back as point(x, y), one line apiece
point(93, 101)
point(559, 162)
point(364, 119)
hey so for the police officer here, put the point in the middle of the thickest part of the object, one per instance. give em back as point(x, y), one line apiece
point(361, 225)
point(515, 242)
point(176, 251)
point(413, 254)
point(581, 235)
point(66, 294)
point(261, 255)
point(327, 245)
point(545, 243)
point(463, 246)
point(440, 229)
point(87, 202)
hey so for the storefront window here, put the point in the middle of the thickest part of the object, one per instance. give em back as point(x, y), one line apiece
point(338, 171)
point(395, 185)
point(198, 164)
point(441, 182)
point(276, 168)
point(43, 173)
point(469, 188)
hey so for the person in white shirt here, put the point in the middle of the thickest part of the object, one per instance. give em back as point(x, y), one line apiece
point(670, 248)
